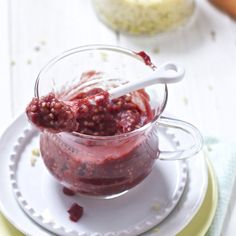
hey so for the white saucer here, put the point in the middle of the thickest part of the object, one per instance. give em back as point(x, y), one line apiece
point(188, 205)
point(138, 210)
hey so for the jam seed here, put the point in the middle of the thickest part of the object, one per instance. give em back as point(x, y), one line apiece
point(51, 116)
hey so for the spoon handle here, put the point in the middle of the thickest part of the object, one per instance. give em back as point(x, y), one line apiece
point(166, 73)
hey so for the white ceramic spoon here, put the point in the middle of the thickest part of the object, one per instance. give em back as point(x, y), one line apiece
point(165, 74)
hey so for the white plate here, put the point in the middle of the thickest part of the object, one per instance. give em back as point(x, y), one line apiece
point(138, 210)
point(191, 201)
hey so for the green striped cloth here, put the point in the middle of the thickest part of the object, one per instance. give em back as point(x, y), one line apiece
point(223, 158)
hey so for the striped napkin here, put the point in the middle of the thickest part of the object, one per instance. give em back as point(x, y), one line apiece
point(223, 158)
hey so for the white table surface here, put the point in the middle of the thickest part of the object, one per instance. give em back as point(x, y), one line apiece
point(32, 32)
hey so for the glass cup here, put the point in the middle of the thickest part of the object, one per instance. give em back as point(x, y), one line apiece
point(106, 166)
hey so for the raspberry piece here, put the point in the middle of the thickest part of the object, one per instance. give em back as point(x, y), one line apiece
point(75, 212)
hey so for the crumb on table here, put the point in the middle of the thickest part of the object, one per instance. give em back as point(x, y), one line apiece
point(35, 153)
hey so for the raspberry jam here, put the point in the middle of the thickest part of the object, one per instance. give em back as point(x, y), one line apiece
point(146, 58)
point(98, 154)
point(91, 113)
point(68, 191)
point(51, 114)
point(75, 212)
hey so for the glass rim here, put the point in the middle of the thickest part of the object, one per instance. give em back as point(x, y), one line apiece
point(93, 47)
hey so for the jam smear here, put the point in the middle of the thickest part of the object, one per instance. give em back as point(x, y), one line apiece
point(75, 212)
point(146, 58)
point(68, 191)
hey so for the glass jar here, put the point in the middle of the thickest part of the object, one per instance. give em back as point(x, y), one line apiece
point(106, 165)
point(144, 16)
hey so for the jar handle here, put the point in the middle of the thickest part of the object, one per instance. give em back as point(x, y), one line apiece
point(188, 130)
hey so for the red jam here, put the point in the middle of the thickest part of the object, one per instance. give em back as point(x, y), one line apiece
point(49, 113)
point(91, 113)
point(146, 58)
point(89, 164)
point(68, 191)
point(75, 212)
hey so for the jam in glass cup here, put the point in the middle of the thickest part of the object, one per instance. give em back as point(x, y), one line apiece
point(106, 166)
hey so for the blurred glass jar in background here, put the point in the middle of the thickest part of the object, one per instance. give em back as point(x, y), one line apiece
point(139, 17)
